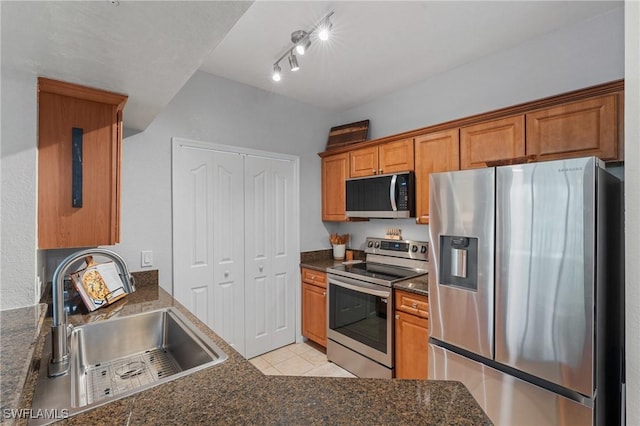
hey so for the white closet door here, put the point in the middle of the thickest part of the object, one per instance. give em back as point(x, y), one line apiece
point(269, 247)
point(208, 253)
point(228, 248)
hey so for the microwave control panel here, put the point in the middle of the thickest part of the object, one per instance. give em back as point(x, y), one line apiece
point(403, 193)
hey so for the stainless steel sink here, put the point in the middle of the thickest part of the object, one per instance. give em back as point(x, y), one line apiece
point(123, 356)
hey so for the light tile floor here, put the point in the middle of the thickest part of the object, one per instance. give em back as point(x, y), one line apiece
point(298, 359)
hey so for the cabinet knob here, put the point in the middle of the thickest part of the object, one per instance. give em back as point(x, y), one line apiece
point(313, 277)
point(260, 268)
point(380, 170)
point(397, 316)
point(324, 293)
point(414, 305)
point(226, 273)
point(373, 171)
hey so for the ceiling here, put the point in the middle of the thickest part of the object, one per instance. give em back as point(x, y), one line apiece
point(148, 50)
point(144, 49)
point(380, 46)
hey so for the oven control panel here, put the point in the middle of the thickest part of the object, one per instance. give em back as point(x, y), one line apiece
point(399, 248)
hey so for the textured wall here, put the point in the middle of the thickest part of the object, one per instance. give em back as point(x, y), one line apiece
point(18, 196)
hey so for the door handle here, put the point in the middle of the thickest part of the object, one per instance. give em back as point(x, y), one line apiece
point(392, 193)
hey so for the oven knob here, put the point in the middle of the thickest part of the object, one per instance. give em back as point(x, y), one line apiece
point(423, 249)
point(414, 249)
point(370, 244)
point(377, 244)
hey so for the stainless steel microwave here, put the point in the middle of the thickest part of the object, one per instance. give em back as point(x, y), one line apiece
point(382, 196)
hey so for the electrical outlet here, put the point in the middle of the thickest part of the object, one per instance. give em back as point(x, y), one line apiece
point(146, 258)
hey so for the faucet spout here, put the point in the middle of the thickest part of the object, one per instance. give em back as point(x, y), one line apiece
point(59, 363)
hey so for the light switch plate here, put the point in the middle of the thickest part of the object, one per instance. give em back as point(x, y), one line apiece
point(146, 258)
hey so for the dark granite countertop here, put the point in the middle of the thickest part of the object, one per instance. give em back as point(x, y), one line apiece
point(19, 331)
point(235, 392)
point(418, 285)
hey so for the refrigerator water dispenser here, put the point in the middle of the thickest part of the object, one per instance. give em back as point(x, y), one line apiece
point(459, 262)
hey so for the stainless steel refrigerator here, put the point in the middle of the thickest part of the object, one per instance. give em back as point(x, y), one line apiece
point(526, 290)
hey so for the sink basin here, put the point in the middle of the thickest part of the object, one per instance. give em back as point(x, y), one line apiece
point(123, 356)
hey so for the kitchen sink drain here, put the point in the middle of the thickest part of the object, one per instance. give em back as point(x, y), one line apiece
point(106, 380)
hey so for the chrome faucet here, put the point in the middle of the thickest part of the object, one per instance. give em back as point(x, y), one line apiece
point(59, 363)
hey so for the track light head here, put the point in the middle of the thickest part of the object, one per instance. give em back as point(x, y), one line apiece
point(277, 73)
point(293, 62)
point(324, 31)
point(303, 46)
point(301, 39)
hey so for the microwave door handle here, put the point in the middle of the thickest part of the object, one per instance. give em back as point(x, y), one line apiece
point(392, 193)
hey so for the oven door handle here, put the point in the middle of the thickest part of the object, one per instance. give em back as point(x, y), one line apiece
point(361, 288)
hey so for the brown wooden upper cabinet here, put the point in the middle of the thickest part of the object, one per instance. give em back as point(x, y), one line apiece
point(493, 140)
point(335, 171)
point(388, 157)
point(435, 152)
point(583, 128)
point(79, 156)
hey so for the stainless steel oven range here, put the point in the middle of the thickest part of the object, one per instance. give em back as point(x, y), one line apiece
point(360, 305)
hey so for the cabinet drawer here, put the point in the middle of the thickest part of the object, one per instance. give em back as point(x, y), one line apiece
point(312, 276)
point(412, 303)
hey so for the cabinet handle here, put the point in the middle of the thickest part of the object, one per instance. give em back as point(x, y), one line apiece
point(76, 167)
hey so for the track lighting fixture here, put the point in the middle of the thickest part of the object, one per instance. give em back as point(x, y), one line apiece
point(301, 41)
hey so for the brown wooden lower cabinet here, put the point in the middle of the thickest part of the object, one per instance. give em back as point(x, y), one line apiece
point(314, 306)
point(412, 336)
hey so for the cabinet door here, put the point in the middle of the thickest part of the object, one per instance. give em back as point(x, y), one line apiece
point(396, 156)
point(411, 303)
point(435, 152)
point(412, 336)
point(578, 129)
point(335, 170)
point(314, 313)
point(491, 141)
point(96, 221)
point(363, 162)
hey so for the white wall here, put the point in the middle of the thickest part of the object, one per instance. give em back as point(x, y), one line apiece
point(18, 282)
point(583, 55)
point(575, 57)
point(632, 208)
point(213, 109)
